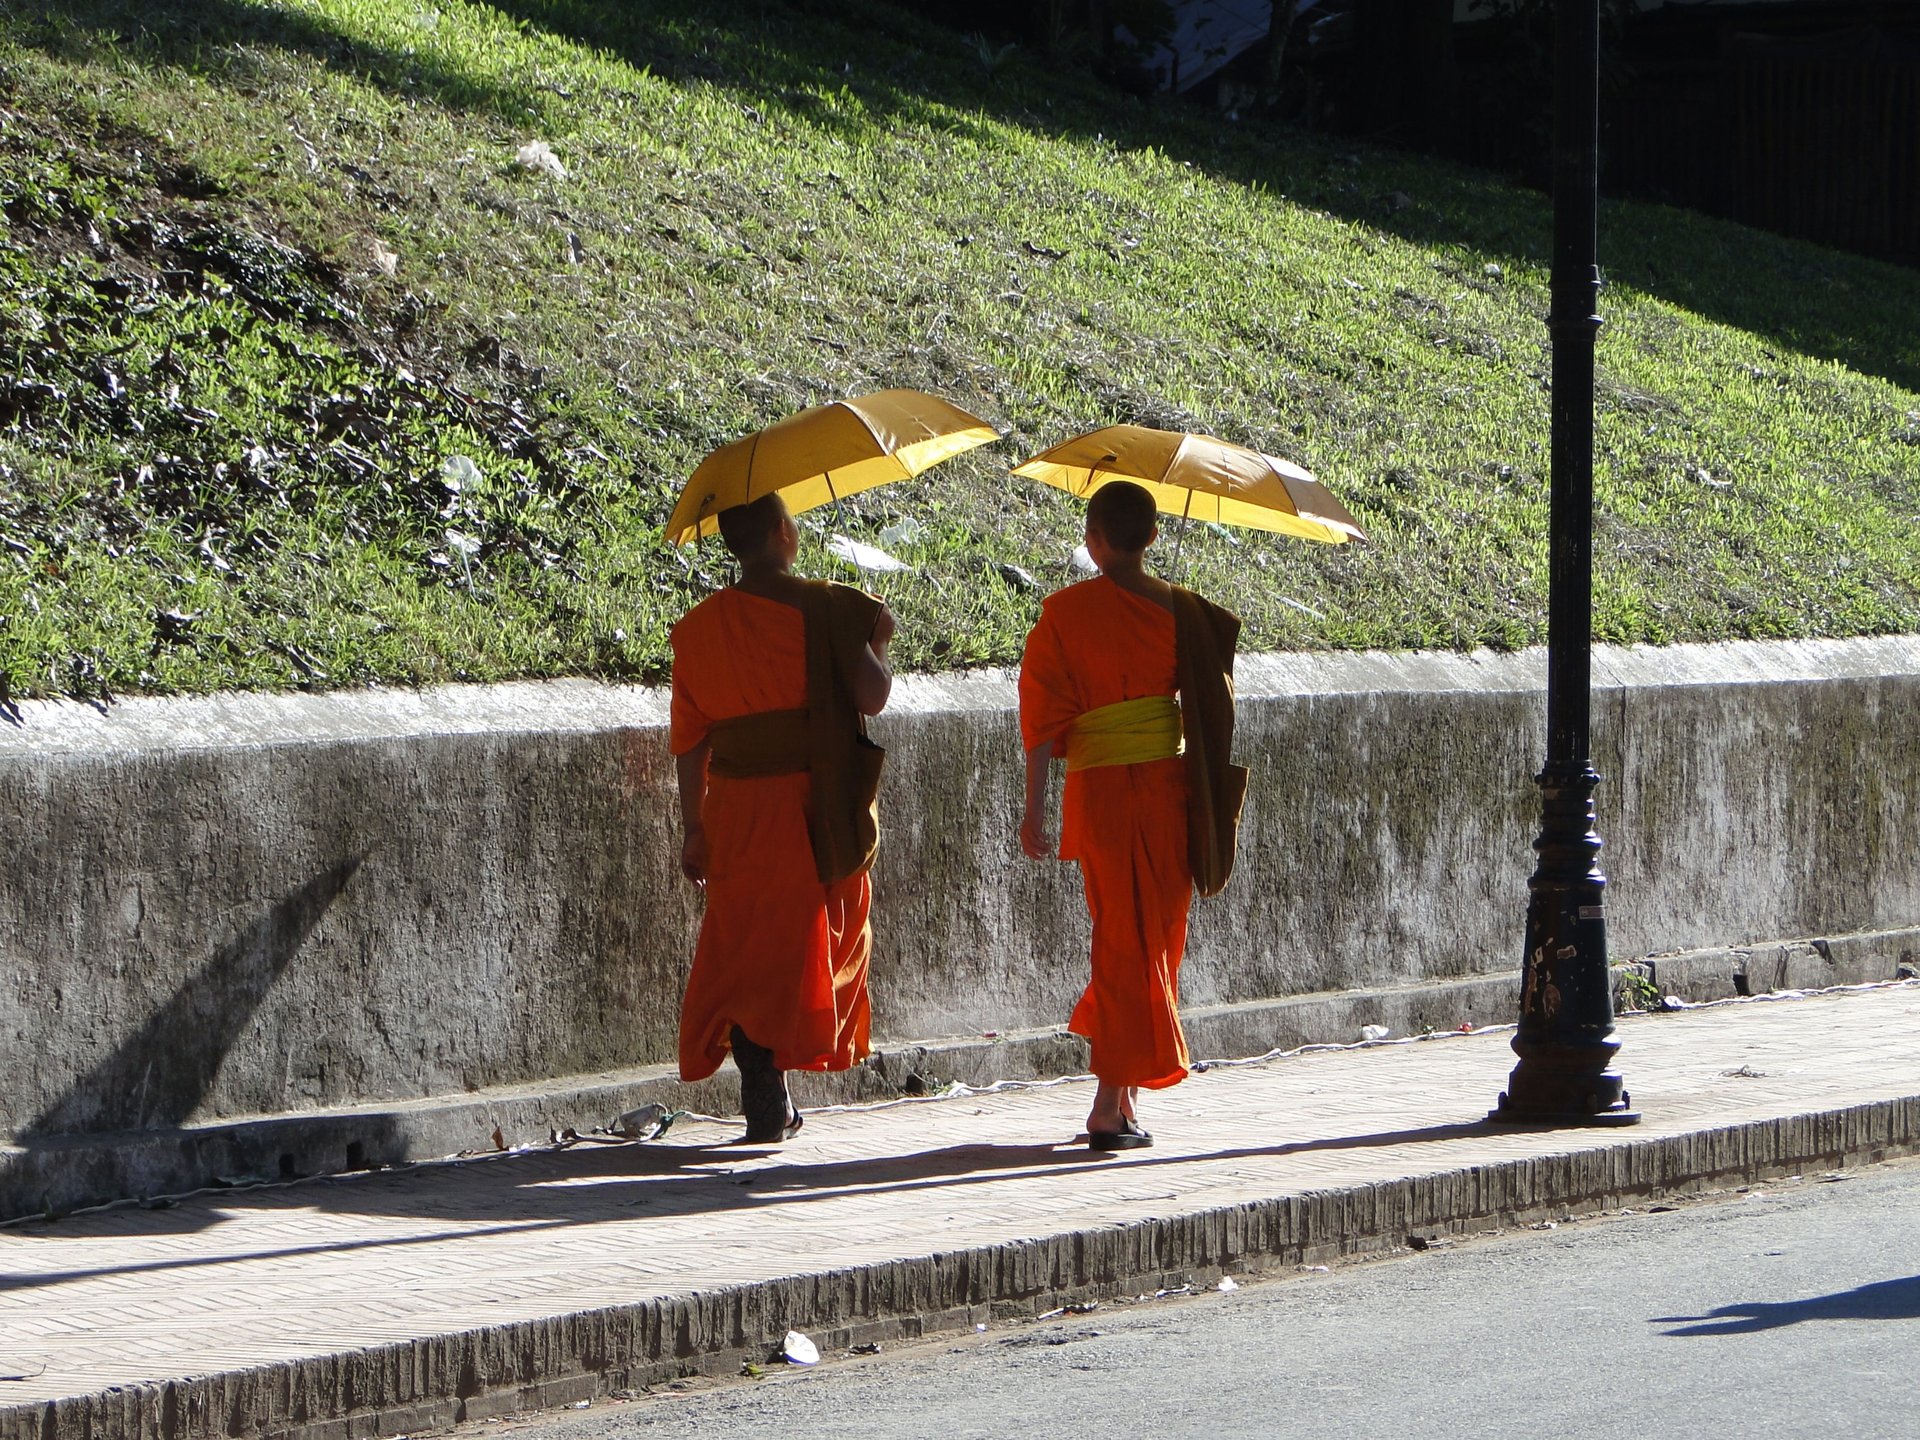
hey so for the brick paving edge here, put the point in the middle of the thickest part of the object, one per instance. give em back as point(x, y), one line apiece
point(435, 1382)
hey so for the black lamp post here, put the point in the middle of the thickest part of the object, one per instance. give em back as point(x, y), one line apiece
point(1565, 1041)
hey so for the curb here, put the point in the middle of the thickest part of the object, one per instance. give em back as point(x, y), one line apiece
point(435, 1382)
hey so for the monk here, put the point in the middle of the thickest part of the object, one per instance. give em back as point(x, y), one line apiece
point(779, 975)
point(1143, 813)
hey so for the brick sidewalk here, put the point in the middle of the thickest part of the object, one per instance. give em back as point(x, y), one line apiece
point(427, 1290)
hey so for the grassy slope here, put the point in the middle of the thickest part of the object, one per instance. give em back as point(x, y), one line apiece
point(222, 461)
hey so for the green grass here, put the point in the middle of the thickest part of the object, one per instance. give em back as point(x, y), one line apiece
point(225, 432)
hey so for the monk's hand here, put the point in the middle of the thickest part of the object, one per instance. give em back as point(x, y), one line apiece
point(1035, 839)
point(693, 855)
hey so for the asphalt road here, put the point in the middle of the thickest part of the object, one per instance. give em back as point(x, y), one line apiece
point(1793, 1310)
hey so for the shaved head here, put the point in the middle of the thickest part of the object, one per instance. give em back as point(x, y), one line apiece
point(1122, 514)
point(748, 529)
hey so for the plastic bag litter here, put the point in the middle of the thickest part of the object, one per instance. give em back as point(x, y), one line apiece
point(642, 1122)
point(1082, 561)
point(901, 532)
point(1226, 1285)
point(864, 556)
point(1374, 1032)
point(538, 155)
point(799, 1350)
point(460, 472)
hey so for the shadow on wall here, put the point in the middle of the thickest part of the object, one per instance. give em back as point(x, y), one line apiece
point(156, 1078)
point(159, 1074)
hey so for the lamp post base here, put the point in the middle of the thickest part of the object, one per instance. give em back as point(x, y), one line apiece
point(1561, 1084)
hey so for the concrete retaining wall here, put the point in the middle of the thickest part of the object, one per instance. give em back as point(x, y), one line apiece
point(251, 905)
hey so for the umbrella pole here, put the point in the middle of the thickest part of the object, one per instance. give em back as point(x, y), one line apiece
point(1181, 539)
point(1093, 472)
point(839, 515)
point(1086, 492)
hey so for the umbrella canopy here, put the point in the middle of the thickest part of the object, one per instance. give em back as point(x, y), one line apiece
point(1199, 477)
point(822, 454)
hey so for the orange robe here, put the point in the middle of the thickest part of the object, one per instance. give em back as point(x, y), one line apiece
point(780, 955)
point(1097, 644)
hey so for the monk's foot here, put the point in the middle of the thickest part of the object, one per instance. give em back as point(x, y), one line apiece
point(763, 1134)
point(1126, 1136)
point(764, 1097)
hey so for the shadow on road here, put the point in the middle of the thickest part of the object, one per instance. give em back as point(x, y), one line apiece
point(1882, 1300)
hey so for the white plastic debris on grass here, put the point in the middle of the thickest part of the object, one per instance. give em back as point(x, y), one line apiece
point(538, 155)
point(386, 261)
point(799, 1350)
point(1226, 1285)
point(864, 556)
point(1374, 1032)
point(1083, 561)
point(901, 532)
point(459, 472)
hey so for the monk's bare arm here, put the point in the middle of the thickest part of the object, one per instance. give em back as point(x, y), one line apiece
point(872, 681)
point(1036, 839)
point(692, 770)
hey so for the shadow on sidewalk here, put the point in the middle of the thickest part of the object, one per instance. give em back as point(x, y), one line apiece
point(540, 1190)
point(1882, 1300)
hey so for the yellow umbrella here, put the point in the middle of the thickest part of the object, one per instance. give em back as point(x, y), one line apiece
point(1199, 477)
point(822, 454)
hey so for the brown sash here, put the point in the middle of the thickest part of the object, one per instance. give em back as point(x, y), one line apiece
point(747, 747)
point(1204, 638)
point(845, 820)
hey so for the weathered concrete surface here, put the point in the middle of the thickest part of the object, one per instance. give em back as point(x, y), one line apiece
point(248, 906)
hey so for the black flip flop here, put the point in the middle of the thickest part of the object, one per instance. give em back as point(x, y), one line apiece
point(786, 1132)
point(1129, 1137)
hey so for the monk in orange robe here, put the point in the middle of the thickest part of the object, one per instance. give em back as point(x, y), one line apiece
point(779, 974)
point(1097, 687)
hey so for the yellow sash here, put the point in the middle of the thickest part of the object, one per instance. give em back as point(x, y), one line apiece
point(1129, 733)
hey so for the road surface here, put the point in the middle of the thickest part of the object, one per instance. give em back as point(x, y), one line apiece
point(1790, 1310)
